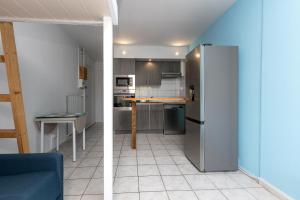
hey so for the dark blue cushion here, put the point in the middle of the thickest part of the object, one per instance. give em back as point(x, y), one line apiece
point(30, 186)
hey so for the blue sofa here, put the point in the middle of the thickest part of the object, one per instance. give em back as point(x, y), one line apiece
point(31, 176)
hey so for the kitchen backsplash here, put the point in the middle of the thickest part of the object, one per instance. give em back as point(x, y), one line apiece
point(168, 88)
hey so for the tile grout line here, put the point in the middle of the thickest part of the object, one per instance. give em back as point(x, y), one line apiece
point(162, 180)
point(185, 179)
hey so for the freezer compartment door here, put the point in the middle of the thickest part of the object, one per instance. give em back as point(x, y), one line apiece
point(193, 146)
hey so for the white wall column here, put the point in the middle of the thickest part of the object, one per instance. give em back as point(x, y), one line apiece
point(108, 106)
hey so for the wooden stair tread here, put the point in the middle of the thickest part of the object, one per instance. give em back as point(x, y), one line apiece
point(2, 59)
point(8, 133)
point(4, 98)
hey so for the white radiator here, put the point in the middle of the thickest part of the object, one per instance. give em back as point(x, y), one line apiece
point(75, 104)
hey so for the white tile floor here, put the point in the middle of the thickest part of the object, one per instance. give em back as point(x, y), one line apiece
point(84, 178)
point(157, 170)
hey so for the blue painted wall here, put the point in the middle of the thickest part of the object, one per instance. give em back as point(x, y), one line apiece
point(268, 33)
point(241, 26)
point(280, 144)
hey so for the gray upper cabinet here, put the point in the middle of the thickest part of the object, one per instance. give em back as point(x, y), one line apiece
point(141, 74)
point(147, 73)
point(175, 66)
point(124, 66)
point(117, 68)
point(170, 66)
point(154, 73)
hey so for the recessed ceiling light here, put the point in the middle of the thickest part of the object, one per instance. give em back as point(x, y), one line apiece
point(124, 52)
point(179, 43)
point(123, 41)
point(177, 53)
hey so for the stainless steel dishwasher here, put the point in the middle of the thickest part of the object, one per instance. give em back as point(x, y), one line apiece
point(174, 119)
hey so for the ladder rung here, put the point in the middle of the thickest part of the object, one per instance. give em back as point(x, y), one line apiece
point(2, 59)
point(4, 98)
point(8, 133)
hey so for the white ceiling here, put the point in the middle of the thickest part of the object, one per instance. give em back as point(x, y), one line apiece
point(89, 11)
point(141, 22)
point(88, 37)
point(166, 22)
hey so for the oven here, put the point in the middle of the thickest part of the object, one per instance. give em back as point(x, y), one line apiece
point(122, 112)
point(119, 101)
point(124, 82)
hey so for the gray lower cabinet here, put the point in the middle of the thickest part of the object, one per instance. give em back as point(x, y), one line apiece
point(150, 117)
point(156, 116)
point(142, 117)
point(122, 119)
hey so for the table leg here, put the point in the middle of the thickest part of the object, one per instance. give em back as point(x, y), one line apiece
point(133, 125)
point(83, 139)
point(74, 142)
point(57, 137)
point(42, 137)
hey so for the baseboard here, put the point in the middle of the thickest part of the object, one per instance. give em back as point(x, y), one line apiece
point(249, 174)
point(274, 190)
point(268, 186)
point(90, 125)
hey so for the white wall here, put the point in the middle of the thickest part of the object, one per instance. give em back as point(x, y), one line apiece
point(158, 52)
point(99, 91)
point(48, 67)
point(90, 103)
point(173, 87)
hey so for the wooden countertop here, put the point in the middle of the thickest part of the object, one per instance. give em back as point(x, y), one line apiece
point(158, 99)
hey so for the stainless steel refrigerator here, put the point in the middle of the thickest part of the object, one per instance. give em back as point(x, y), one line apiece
point(211, 109)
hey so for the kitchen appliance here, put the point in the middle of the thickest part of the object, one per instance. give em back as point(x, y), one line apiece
point(174, 115)
point(119, 101)
point(211, 108)
point(122, 111)
point(166, 75)
point(124, 83)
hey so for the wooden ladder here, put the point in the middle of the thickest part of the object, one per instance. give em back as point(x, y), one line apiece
point(15, 91)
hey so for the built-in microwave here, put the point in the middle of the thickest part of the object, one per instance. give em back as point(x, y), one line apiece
point(124, 82)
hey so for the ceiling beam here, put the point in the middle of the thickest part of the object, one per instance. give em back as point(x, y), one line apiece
point(113, 9)
point(53, 21)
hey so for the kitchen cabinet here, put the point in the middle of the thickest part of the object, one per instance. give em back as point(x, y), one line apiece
point(124, 66)
point(156, 116)
point(141, 74)
point(154, 74)
point(122, 119)
point(142, 117)
point(147, 73)
point(150, 117)
point(170, 66)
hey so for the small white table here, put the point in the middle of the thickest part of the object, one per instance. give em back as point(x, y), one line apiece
point(78, 121)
